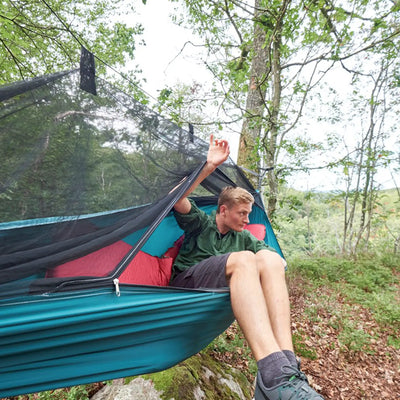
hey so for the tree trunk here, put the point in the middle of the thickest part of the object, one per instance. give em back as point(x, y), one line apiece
point(259, 136)
point(270, 141)
point(255, 102)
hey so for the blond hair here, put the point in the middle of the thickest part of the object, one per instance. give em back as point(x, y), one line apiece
point(231, 196)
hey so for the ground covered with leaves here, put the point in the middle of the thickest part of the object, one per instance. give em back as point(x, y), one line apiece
point(346, 333)
point(357, 364)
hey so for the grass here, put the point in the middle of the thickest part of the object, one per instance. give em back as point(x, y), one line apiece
point(81, 392)
point(352, 288)
point(301, 348)
point(371, 282)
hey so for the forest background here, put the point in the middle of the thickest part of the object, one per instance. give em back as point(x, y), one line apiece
point(306, 91)
point(302, 86)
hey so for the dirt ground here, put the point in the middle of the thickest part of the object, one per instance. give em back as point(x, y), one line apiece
point(333, 370)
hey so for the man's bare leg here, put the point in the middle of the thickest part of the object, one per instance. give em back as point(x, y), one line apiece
point(249, 305)
point(260, 303)
point(272, 276)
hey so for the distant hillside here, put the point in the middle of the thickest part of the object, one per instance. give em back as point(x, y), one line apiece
point(313, 222)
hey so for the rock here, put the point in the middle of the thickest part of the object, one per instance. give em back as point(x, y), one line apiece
point(198, 378)
point(137, 389)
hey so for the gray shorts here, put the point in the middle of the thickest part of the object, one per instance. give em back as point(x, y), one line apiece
point(209, 273)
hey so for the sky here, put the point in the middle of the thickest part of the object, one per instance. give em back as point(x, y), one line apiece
point(162, 59)
point(168, 57)
point(166, 61)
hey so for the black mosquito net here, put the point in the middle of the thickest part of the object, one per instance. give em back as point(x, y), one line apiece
point(82, 168)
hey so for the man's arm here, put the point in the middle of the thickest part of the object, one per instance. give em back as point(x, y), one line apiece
point(218, 153)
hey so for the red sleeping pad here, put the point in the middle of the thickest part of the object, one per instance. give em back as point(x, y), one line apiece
point(144, 269)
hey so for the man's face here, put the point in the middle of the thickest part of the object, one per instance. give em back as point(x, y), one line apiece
point(236, 217)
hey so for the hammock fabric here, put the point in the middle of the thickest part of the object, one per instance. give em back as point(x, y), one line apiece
point(87, 237)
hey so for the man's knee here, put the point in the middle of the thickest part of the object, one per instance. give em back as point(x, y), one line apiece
point(240, 260)
point(267, 259)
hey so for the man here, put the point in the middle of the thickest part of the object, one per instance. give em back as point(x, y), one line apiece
point(217, 252)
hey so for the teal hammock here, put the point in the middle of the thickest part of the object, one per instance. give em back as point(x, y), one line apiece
point(68, 339)
point(88, 179)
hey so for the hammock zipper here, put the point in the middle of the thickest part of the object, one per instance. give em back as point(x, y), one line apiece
point(116, 284)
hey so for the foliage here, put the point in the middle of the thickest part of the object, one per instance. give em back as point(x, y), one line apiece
point(38, 37)
point(363, 40)
point(80, 392)
point(187, 104)
point(303, 75)
point(312, 223)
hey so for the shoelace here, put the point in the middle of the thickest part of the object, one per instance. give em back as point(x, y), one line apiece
point(300, 388)
point(302, 375)
point(290, 372)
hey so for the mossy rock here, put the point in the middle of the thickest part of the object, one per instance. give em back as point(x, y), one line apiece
point(201, 377)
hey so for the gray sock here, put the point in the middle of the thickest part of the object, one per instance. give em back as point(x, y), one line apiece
point(291, 357)
point(270, 368)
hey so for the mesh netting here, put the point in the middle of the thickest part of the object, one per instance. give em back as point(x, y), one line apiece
point(80, 171)
point(69, 153)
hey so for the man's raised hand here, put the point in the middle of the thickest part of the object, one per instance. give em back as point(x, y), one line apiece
point(218, 152)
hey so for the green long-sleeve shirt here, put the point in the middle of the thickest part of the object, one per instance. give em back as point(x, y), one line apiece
point(203, 240)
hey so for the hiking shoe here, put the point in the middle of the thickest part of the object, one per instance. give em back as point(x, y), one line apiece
point(295, 388)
